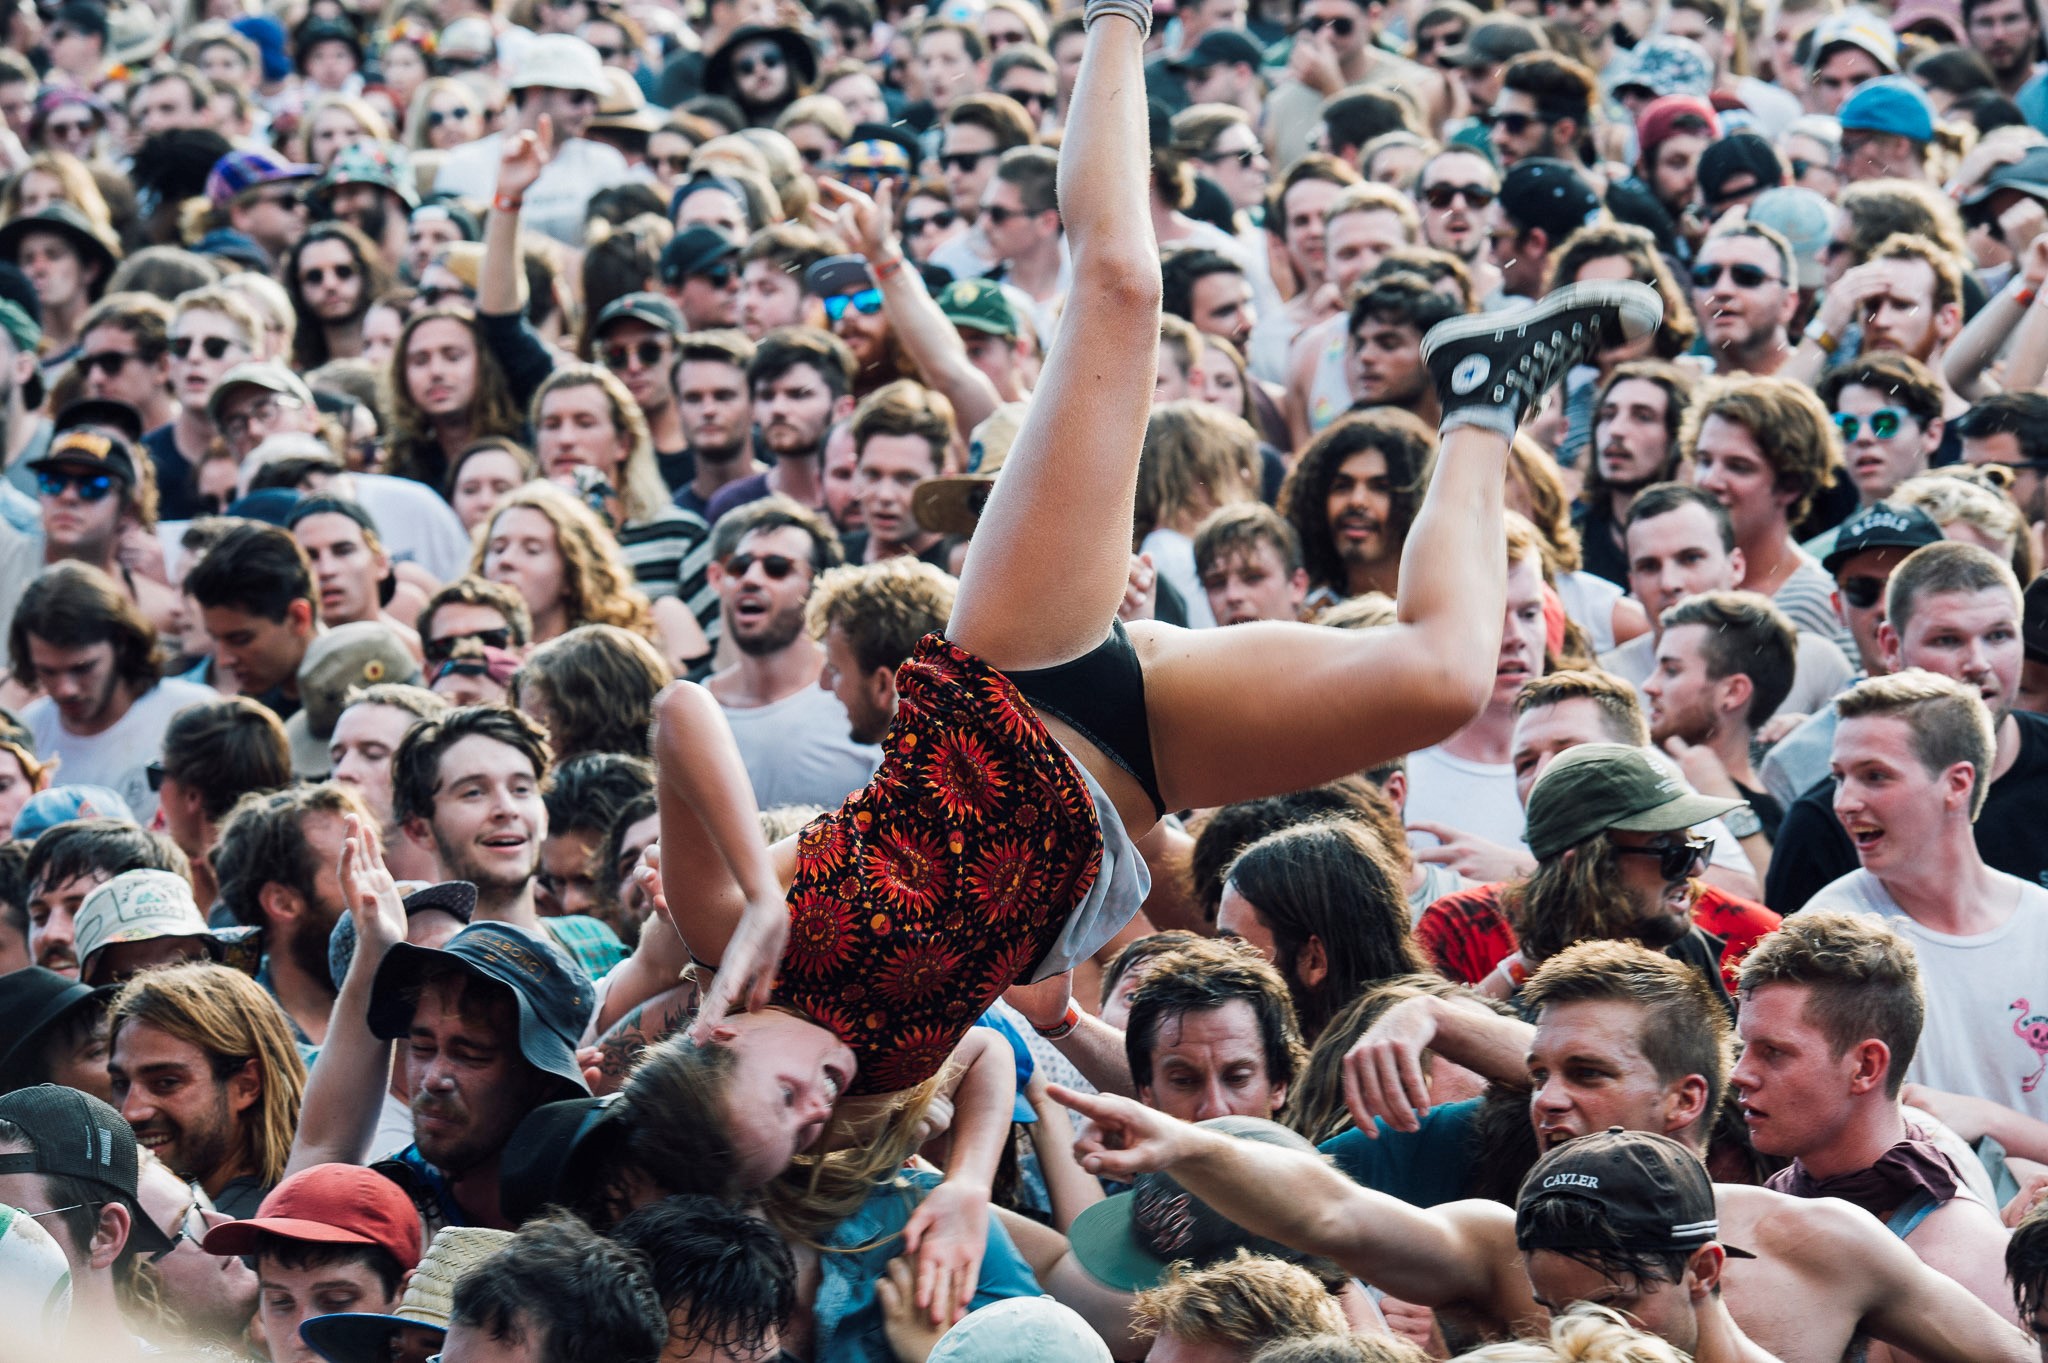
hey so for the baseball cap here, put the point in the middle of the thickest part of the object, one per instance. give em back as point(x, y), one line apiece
point(241, 171)
point(1597, 786)
point(1735, 155)
point(360, 653)
point(329, 1204)
point(78, 1136)
point(64, 804)
point(468, 38)
point(1664, 65)
point(136, 906)
point(2028, 175)
point(546, 1144)
point(1892, 105)
point(553, 993)
point(1021, 1330)
point(1858, 28)
point(429, 1300)
point(693, 251)
point(1540, 191)
point(979, 305)
point(879, 147)
point(834, 275)
point(1920, 15)
point(655, 309)
point(1129, 1241)
point(1660, 117)
point(1220, 47)
point(1805, 219)
point(1882, 526)
point(268, 375)
point(92, 447)
point(560, 61)
point(33, 1000)
point(951, 504)
point(387, 165)
point(1653, 1192)
point(1496, 41)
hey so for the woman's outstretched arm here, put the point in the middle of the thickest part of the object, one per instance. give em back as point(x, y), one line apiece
point(1052, 555)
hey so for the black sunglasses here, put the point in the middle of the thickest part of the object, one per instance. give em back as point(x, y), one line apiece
point(442, 649)
point(1029, 97)
point(776, 566)
point(649, 353)
point(942, 220)
point(435, 297)
point(999, 215)
point(108, 362)
point(1863, 592)
point(963, 161)
point(1706, 276)
point(214, 347)
point(1443, 196)
point(718, 275)
point(767, 61)
point(1675, 860)
point(436, 117)
point(1342, 27)
point(1514, 125)
point(317, 276)
point(1246, 157)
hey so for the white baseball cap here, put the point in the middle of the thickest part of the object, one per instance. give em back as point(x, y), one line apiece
point(561, 61)
point(136, 906)
point(1021, 1330)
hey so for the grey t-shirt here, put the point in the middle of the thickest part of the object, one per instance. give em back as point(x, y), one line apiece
point(800, 750)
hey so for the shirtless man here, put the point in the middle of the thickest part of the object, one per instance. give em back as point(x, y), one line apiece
point(1624, 1037)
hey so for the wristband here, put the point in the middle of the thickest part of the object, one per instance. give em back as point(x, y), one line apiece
point(2024, 295)
point(1820, 336)
point(507, 205)
point(886, 269)
point(1062, 1029)
point(1138, 12)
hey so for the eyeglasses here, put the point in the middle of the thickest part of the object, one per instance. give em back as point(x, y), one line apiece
point(90, 487)
point(1863, 592)
point(1675, 860)
point(1443, 196)
point(214, 347)
point(108, 362)
point(1341, 27)
point(1706, 276)
point(867, 303)
point(940, 220)
point(1246, 157)
point(1513, 124)
point(776, 566)
point(1430, 42)
point(442, 649)
point(649, 354)
point(747, 66)
point(155, 772)
point(963, 161)
point(315, 277)
point(263, 409)
point(191, 1225)
point(718, 276)
point(1884, 423)
point(436, 117)
point(69, 130)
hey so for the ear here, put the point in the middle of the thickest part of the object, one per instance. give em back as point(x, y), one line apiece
point(1279, 1097)
point(1873, 1066)
point(420, 834)
point(1396, 790)
point(1537, 240)
point(1888, 644)
point(1571, 138)
point(1736, 690)
point(1737, 564)
point(299, 615)
point(843, 408)
point(1685, 1104)
point(1948, 320)
point(245, 1086)
point(110, 1235)
point(1958, 781)
point(881, 689)
point(1930, 440)
point(1297, 588)
point(1313, 963)
point(280, 902)
point(1703, 1271)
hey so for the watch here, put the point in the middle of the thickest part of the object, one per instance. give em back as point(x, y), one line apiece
point(1743, 822)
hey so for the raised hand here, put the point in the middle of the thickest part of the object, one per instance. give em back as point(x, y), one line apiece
point(1128, 1138)
point(867, 224)
point(370, 892)
point(1383, 1070)
point(526, 155)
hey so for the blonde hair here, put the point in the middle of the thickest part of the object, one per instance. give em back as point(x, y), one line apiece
point(1948, 497)
point(1196, 459)
point(368, 119)
point(1370, 196)
point(422, 100)
point(273, 308)
point(1247, 1300)
point(642, 493)
point(76, 187)
point(1948, 722)
point(597, 586)
point(1584, 1334)
point(223, 302)
point(228, 1015)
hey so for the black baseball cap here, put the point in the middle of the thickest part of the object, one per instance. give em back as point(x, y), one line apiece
point(1220, 47)
point(2028, 175)
point(1882, 526)
point(694, 250)
point(834, 275)
point(108, 413)
point(32, 1001)
point(1541, 191)
point(1736, 155)
point(87, 446)
point(551, 1142)
point(1129, 1241)
point(652, 308)
point(553, 993)
point(456, 898)
point(1653, 1192)
point(1499, 39)
point(78, 1136)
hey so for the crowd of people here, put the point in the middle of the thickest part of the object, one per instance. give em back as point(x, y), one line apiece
point(1179, 680)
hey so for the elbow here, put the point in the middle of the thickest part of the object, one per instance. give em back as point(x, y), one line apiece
point(1127, 278)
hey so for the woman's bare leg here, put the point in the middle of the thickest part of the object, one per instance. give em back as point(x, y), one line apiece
point(1050, 558)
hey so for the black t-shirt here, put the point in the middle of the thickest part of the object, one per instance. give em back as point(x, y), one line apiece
point(1811, 850)
point(1767, 809)
point(177, 499)
point(939, 554)
point(1599, 552)
point(678, 467)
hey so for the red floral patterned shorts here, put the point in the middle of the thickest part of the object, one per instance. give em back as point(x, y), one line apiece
point(945, 879)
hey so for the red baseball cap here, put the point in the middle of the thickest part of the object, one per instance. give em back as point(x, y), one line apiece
point(329, 1204)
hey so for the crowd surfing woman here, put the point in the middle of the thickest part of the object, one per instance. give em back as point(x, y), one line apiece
point(1039, 738)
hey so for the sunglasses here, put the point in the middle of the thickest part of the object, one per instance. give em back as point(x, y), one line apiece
point(669, 165)
point(70, 129)
point(155, 772)
point(1705, 276)
point(317, 276)
point(283, 200)
point(812, 156)
point(452, 65)
point(867, 303)
point(90, 487)
point(442, 649)
point(1884, 423)
point(1443, 196)
point(436, 117)
point(1341, 27)
point(941, 220)
point(610, 54)
point(1246, 157)
point(647, 353)
point(1514, 125)
point(1030, 98)
point(214, 347)
point(776, 566)
point(718, 276)
point(108, 362)
point(963, 161)
point(999, 215)
point(1863, 592)
point(1675, 860)
point(1430, 42)
point(747, 66)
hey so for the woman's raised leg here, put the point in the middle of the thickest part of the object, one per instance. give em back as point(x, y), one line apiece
point(1052, 553)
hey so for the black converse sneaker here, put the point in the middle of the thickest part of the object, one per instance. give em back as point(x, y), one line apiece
point(1508, 362)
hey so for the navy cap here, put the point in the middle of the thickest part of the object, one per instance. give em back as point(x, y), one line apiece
point(835, 275)
point(554, 995)
point(1652, 1192)
point(1882, 526)
point(1220, 47)
point(693, 251)
point(32, 1000)
point(652, 308)
point(1539, 191)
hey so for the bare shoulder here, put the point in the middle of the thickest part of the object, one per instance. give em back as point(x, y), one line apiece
point(1795, 1230)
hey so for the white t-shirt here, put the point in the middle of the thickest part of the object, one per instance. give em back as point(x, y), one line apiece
point(1987, 994)
point(800, 750)
point(118, 757)
point(557, 201)
point(413, 522)
point(1173, 556)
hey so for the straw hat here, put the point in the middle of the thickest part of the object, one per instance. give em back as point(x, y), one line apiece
point(429, 1300)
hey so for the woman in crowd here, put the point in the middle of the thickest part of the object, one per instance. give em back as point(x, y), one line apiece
point(49, 178)
point(443, 114)
point(211, 332)
point(405, 60)
point(337, 121)
point(482, 475)
point(443, 390)
point(553, 550)
point(69, 121)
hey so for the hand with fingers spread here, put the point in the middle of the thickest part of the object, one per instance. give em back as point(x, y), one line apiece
point(746, 975)
point(1383, 1075)
point(866, 224)
point(948, 1234)
point(1472, 857)
point(370, 893)
point(1128, 1138)
point(526, 154)
point(912, 1335)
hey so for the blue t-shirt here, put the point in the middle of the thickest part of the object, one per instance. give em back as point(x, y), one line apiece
point(1423, 1168)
